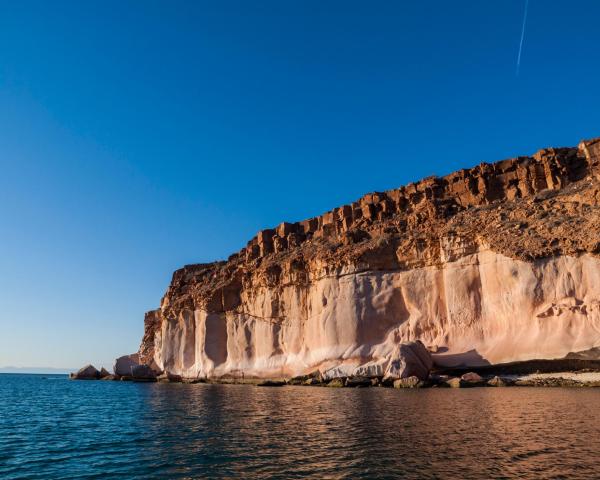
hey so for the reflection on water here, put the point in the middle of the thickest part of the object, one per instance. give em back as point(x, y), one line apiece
point(66, 429)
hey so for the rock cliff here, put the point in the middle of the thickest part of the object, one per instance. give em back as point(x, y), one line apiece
point(491, 264)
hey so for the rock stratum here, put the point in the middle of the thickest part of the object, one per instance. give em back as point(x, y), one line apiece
point(493, 264)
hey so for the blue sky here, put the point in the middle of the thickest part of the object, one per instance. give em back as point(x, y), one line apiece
point(136, 137)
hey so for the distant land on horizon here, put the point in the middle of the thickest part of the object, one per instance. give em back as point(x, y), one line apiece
point(50, 370)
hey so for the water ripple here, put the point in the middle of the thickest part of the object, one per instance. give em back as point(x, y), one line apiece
point(62, 429)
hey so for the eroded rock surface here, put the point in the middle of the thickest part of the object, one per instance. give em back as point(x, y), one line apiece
point(492, 264)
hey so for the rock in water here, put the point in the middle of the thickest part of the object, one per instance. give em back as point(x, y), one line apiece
point(358, 382)
point(89, 372)
point(311, 381)
point(123, 365)
point(452, 261)
point(409, 382)
point(142, 372)
point(455, 382)
point(271, 383)
point(313, 378)
point(472, 379)
point(336, 383)
point(497, 382)
point(167, 377)
point(104, 372)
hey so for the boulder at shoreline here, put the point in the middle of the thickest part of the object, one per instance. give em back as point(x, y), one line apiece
point(409, 359)
point(89, 372)
point(123, 365)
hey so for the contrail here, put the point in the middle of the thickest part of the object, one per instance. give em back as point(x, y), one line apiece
point(522, 37)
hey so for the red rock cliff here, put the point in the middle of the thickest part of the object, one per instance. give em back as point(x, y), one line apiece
point(491, 264)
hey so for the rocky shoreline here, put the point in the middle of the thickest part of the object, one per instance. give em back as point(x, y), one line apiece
point(468, 380)
point(412, 367)
point(517, 375)
point(438, 283)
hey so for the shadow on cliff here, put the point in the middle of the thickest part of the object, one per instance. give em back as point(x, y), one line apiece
point(471, 358)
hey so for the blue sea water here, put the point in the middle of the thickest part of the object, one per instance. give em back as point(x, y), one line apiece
point(55, 428)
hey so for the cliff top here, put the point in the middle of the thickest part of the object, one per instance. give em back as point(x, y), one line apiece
point(526, 207)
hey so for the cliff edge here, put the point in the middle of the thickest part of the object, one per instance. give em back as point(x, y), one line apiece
point(491, 264)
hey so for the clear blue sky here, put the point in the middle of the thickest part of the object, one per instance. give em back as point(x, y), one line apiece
point(136, 137)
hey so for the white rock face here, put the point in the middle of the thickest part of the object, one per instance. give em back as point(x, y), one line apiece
point(482, 308)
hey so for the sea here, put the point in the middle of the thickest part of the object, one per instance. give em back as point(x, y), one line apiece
point(55, 428)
